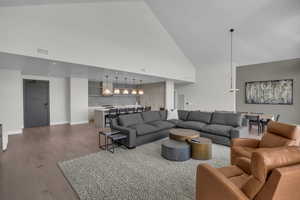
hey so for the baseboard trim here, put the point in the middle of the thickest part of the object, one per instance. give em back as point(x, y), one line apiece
point(77, 123)
point(59, 123)
point(14, 132)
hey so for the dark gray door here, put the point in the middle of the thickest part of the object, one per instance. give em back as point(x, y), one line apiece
point(36, 103)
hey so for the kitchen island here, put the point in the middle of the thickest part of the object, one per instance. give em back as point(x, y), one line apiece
point(99, 113)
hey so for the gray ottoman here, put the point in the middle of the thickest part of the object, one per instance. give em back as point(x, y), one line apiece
point(176, 151)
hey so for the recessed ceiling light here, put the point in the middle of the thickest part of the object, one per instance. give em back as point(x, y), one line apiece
point(54, 63)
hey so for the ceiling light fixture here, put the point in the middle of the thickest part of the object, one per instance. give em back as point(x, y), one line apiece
point(116, 90)
point(231, 62)
point(141, 91)
point(134, 91)
point(106, 89)
point(125, 91)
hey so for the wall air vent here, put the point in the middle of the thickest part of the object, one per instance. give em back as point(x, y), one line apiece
point(42, 51)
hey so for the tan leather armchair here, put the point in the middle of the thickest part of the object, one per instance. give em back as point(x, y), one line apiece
point(274, 175)
point(277, 134)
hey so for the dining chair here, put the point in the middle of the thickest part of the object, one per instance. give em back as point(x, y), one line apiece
point(112, 113)
point(264, 123)
point(254, 120)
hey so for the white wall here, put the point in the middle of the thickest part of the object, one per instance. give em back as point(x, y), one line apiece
point(169, 104)
point(154, 95)
point(110, 34)
point(11, 112)
point(210, 92)
point(59, 98)
point(78, 101)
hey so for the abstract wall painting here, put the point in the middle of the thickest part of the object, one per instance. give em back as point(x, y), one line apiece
point(270, 92)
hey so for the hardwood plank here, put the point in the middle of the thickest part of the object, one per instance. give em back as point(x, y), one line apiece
point(28, 169)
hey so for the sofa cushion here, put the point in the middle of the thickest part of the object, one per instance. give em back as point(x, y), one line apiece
point(151, 116)
point(130, 119)
point(163, 114)
point(191, 125)
point(183, 114)
point(200, 116)
point(162, 124)
point(217, 129)
point(144, 129)
point(227, 118)
point(174, 121)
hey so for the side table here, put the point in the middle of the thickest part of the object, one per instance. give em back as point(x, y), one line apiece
point(201, 148)
point(114, 136)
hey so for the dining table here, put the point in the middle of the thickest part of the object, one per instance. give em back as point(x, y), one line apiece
point(262, 116)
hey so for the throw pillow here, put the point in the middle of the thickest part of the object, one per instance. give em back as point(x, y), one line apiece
point(172, 114)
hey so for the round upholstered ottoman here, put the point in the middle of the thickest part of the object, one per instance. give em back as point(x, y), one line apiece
point(175, 150)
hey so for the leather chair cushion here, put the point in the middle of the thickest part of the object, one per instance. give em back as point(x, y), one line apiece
point(231, 171)
point(265, 160)
point(285, 130)
point(240, 181)
point(240, 151)
point(272, 140)
point(191, 125)
point(218, 129)
point(235, 175)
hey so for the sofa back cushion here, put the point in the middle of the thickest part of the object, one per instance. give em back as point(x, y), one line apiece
point(130, 119)
point(200, 116)
point(163, 115)
point(151, 116)
point(183, 115)
point(227, 118)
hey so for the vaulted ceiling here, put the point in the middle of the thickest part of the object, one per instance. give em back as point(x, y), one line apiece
point(266, 30)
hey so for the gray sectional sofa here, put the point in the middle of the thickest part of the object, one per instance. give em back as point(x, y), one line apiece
point(146, 127)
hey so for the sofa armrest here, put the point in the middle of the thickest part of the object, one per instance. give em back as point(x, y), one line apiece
point(245, 142)
point(131, 141)
point(212, 184)
point(237, 131)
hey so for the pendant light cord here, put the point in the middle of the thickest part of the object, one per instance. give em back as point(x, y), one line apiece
point(231, 71)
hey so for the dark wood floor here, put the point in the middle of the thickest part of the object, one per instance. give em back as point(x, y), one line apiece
point(28, 169)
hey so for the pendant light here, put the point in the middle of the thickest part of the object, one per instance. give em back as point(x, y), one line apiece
point(106, 89)
point(116, 90)
point(231, 62)
point(141, 91)
point(125, 91)
point(133, 91)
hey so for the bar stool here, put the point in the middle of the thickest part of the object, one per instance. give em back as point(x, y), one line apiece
point(122, 111)
point(112, 113)
point(130, 110)
point(147, 108)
